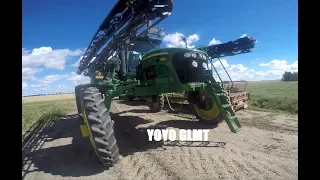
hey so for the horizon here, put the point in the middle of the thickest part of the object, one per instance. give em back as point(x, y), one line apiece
point(56, 93)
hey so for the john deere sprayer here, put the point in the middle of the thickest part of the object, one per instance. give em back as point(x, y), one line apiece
point(124, 58)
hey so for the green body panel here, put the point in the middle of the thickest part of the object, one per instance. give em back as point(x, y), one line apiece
point(165, 81)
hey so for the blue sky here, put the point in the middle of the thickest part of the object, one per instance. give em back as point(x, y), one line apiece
point(56, 33)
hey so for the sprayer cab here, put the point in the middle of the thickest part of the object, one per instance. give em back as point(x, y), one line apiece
point(139, 48)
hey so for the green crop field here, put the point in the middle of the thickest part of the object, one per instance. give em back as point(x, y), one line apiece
point(33, 111)
point(275, 95)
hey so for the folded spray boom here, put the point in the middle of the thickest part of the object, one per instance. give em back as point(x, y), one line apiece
point(123, 25)
point(231, 48)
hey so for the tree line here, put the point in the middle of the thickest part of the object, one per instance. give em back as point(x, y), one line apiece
point(289, 76)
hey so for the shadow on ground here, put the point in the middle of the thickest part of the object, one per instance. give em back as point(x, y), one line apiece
point(46, 146)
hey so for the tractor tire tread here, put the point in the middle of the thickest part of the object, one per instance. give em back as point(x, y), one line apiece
point(161, 101)
point(160, 105)
point(101, 126)
point(79, 95)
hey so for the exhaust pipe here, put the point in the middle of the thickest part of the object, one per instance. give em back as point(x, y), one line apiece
point(123, 66)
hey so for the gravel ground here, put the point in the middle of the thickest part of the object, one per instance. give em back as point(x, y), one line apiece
point(265, 148)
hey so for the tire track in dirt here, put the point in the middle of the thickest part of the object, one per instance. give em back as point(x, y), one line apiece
point(143, 166)
point(201, 164)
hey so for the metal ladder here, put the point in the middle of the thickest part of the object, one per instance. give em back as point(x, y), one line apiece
point(221, 99)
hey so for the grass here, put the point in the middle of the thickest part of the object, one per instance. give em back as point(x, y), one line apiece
point(276, 95)
point(33, 111)
point(47, 98)
point(269, 95)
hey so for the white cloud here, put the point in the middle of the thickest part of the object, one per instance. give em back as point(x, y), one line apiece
point(243, 35)
point(65, 88)
point(217, 64)
point(214, 41)
point(24, 85)
point(25, 52)
point(27, 73)
point(294, 65)
point(49, 79)
point(174, 40)
point(281, 65)
point(47, 57)
point(76, 64)
point(36, 85)
point(32, 60)
point(240, 72)
point(237, 68)
point(77, 79)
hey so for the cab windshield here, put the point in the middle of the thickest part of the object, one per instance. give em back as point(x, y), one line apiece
point(143, 47)
point(136, 51)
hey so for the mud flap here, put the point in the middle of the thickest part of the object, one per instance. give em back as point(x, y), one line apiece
point(84, 131)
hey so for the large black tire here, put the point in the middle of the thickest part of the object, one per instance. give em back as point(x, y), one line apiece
point(78, 90)
point(158, 103)
point(101, 126)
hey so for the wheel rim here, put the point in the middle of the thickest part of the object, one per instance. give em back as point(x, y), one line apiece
point(212, 112)
point(88, 126)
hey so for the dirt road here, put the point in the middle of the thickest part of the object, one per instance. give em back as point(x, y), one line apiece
point(265, 148)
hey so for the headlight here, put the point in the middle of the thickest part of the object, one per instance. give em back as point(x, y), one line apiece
point(194, 64)
point(187, 54)
point(194, 55)
point(204, 57)
point(205, 65)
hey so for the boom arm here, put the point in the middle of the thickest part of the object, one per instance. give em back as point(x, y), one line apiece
point(120, 28)
point(231, 48)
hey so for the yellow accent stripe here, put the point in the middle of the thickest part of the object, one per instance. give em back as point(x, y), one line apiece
point(88, 128)
point(84, 131)
point(153, 55)
point(99, 77)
